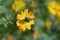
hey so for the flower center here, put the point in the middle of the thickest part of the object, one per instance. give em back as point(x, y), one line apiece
point(27, 19)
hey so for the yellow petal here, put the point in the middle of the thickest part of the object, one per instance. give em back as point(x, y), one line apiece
point(16, 2)
point(26, 12)
point(17, 23)
point(20, 17)
point(31, 15)
point(21, 4)
point(31, 22)
point(28, 26)
point(22, 27)
point(23, 14)
point(51, 10)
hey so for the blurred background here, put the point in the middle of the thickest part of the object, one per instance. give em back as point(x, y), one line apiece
point(46, 22)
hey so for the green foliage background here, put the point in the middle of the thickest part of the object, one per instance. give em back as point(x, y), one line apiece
point(8, 22)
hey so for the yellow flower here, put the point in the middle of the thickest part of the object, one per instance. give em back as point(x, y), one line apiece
point(25, 20)
point(18, 5)
point(54, 9)
point(35, 34)
point(51, 8)
point(48, 24)
point(9, 37)
point(34, 4)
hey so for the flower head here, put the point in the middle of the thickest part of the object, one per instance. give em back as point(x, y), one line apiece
point(9, 37)
point(35, 34)
point(54, 9)
point(34, 4)
point(18, 5)
point(48, 24)
point(25, 20)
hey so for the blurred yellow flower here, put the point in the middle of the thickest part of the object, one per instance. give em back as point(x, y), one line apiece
point(35, 34)
point(18, 5)
point(25, 20)
point(54, 9)
point(48, 24)
point(34, 4)
point(9, 37)
point(51, 7)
